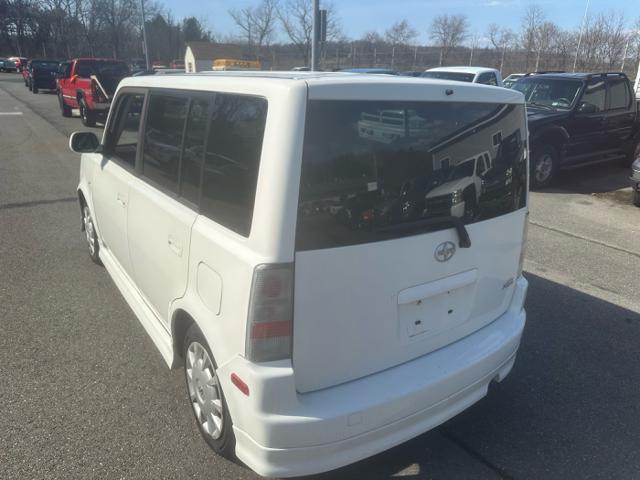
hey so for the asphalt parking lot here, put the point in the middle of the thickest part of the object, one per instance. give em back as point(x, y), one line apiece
point(85, 394)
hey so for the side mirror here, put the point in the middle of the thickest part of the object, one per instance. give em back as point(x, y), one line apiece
point(586, 107)
point(83, 142)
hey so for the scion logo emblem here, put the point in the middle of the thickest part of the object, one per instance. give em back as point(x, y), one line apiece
point(444, 251)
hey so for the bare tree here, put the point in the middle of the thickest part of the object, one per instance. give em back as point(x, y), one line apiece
point(296, 17)
point(615, 38)
point(502, 40)
point(544, 36)
point(257, 24)
point(532, 19)
point(400, 33)
point(448, 31)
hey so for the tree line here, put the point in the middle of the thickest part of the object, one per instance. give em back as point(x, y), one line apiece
point(278, 32)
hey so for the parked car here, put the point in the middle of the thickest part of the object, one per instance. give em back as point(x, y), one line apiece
point(7, 65)
point(89, 84)
point(635, 179)
point(578, 119)
point(41, 74)
point(375, 71)
point(512, 79)
point(485, 76)
point(20, 62)
point(177, 64)
point(308, 342)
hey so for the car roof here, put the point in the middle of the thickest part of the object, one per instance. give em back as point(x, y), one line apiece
point(368, 70)
point(576, 75)
point(336, 85)
point(474, 70)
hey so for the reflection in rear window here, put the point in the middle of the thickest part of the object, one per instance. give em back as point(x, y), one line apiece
point(372, 168)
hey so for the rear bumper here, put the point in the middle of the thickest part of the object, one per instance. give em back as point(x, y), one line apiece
point(282, 433)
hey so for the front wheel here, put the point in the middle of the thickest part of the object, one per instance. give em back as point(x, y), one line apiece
point(636, 198)
point(64, 108)
point(34, 89)
point(544, 166)
point(90, 235)
point(87, 116)
point(205, 394)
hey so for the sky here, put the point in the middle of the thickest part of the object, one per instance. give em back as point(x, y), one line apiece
point(359, 16)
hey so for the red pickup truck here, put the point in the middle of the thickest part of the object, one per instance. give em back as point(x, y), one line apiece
point(88, 84)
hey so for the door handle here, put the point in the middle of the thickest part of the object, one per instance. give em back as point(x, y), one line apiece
point(174, 245)
point(122, 200)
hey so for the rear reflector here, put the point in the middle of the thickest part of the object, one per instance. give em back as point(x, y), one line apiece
point(270, 320)
point(238, 382)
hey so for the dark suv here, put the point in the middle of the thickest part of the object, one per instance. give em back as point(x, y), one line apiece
point(578, 119)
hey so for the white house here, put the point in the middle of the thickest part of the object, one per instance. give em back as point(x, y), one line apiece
point(199, 56)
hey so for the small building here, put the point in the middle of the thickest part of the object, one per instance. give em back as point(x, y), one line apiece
point(199, 56)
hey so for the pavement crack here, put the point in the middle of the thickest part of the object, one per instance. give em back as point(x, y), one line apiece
point(586, 239)
point(501, 472)
point(34, 203)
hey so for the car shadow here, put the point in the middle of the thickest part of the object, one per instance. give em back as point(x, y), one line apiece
point(569, 409)
point(602, 178)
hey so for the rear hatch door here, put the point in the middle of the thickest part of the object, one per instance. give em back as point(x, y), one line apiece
point(381, 275)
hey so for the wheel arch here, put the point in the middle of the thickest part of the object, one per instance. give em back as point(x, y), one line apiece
point(82, 201)
point(556, 137)
point(181, 320)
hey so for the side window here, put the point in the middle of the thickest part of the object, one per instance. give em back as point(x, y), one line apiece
point(193, 153)
point(618, 94)
point(122, 141)
point(232, 159)
point(594, 95)
point(163, 131)
point(488, 78)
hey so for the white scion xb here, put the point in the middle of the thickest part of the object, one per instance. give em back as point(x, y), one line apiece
point(293, 240)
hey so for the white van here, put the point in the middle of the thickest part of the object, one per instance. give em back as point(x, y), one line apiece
point(323, 311)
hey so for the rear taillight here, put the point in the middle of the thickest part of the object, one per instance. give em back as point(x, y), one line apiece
point(270, 321)
point(96, 93)
point(523, 249)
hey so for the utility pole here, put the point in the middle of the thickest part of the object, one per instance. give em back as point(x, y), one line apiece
point(584, 20)
point(144, 36)
point(315, 35)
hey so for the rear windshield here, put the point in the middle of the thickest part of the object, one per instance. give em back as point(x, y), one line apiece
point(370, 169)
point(458, 76)
point(86, 68)
point(42, 65)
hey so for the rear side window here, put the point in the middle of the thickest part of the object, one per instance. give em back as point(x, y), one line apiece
point(370, 169)
point(232, 159)
point(618, 94)
point(163, 139)
point(488, 78)
point(193, 153)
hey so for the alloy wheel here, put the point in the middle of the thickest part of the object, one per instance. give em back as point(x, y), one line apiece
point(543, 168)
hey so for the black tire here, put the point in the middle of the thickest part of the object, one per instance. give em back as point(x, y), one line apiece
point(636, 198)
point(88, 226)
point(29, 86)
point(87, 116)
point(34, 89)
point(225, 443)
point(544, 166)
point(64, 108)
point(633, 154)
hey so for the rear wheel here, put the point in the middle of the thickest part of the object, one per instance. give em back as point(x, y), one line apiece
point(88, 116)
point(64, 108)
point(90, 234)
point(34, 89)
point(205, 394)
point(544, 166)
point(636, 198)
